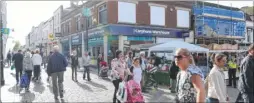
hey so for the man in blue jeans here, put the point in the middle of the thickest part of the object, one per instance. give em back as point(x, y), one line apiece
point(86, 63)
point(57, 66)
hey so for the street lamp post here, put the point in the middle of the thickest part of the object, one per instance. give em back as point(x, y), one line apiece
point(1, 46)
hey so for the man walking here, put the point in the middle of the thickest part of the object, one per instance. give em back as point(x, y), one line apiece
point(86, 63)
point(74, 65)
point(246, 77)
point(18, 61)
point(9, 58)
point(57, 66)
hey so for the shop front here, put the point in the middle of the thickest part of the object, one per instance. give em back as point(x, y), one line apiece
point(76, 44)
point(65, 46)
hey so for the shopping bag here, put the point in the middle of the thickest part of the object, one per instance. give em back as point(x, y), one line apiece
point(24, 81)
point(122, 93)
point(13, 67)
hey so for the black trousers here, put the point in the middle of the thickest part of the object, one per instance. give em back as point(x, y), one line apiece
point(74, 72)
point(18, 73)
point(86, 71)
point(37, 71)
point(232, 77)
point(29, 74)
point(116, 85)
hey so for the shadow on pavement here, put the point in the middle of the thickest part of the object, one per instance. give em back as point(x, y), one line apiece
point(97, 85)
point(60, 101)
point(85, 87)
point(27, 97)
point(14, 89)
point(14, 75)
point(38, 87)
point(158, 96)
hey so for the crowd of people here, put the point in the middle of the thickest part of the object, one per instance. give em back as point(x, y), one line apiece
point(129, 72)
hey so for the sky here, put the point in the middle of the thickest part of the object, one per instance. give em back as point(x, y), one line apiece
point(23, 15)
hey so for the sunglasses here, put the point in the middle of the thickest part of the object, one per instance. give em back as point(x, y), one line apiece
point(179, 57)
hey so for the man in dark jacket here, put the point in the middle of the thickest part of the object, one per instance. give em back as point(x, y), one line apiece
point(57, 66)
point(18, 61)
point(74, 65)
point(9, 58)
point(246, 77)
point(173, 71)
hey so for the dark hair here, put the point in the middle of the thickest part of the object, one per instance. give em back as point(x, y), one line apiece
point(251, 47)
point(19, 50)
point(117, 53)
point(135, 59)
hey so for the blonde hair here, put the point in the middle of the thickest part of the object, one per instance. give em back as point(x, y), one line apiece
point(187, 53)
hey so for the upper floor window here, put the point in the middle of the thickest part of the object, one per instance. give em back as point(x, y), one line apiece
point(126, 12)
point(183, 17)
point(89, 21)
point(78, 24)
point(157, 14)
point(103, 14)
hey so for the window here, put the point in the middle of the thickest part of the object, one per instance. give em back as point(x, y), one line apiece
point(89, 21)
point(183, 18)
point(78, 23)
point(157, 15)
point(68, 27)
point(126, 12)
point(103, 14)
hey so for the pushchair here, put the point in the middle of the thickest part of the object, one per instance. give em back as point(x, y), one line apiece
point(104, 69)
point(24, 82)
point(151, 71)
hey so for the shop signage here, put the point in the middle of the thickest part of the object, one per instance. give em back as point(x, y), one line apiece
point(76, 39)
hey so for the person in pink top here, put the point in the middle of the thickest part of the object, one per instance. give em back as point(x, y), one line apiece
point(118, 68)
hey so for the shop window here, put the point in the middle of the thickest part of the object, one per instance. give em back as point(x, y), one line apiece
point(103, 14)
point(157, 15)
point(183, 18)
point(93, 51)
point(126, 15)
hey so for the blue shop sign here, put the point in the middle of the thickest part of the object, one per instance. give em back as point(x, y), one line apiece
point(76, 39)
point(66, 39)
point(147, 31)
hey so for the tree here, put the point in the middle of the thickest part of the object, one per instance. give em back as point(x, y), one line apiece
point(16, 46)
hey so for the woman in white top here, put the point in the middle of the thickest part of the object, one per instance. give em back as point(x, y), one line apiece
point(37, 61)
point(217, 89)
point(136, 70)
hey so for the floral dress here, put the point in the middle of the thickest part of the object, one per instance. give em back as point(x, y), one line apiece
point(185, 89)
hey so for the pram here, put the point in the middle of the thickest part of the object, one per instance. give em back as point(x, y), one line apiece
point(150, 71)
point(104, 69)
point(24, 82)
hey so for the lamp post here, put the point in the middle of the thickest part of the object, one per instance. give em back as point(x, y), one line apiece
point(86, 13)
point(1, 46)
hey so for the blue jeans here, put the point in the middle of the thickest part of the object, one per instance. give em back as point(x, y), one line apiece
point(212, 100)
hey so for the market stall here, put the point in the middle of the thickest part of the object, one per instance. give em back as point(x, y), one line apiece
point(169, 48)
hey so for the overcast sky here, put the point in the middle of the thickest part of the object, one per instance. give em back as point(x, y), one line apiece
point(22, 15)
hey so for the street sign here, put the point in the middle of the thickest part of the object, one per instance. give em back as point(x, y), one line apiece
point(51, 36)
point(86, 12)
point(5, 31)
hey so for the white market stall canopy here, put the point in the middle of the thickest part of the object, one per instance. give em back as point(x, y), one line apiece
point(173, 45)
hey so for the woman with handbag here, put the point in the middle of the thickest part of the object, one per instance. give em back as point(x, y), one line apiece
point(117, 74)
point(190, 87)
point(215, 81)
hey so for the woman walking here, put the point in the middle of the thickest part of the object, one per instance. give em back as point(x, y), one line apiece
point(136, 71)
point(118, 68)
point(190, 87)
point(216, 85)
point(28, 67)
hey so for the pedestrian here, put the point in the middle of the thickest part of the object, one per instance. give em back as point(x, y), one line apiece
point(28, 68)
point(245, 84)
point(216, 84)
point(232, 71)
point(74, 65)
point(119, 66)
point(190, 87)
point(48, 72)
point(9, 58)
point(173, 71)
point(86, 64)
point(18, 63)
point(37, 60)
point(143, 63)
point(99, 59)
point(57, 66)
point(136, 71)
point(129, 59)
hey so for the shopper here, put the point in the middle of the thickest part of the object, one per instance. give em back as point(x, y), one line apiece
point(232, 71)
point(136, 71)
point(18, 63)
point(28, 68)
point(119, 66)
point(9, 58)
point(37, 60)
point(86, 64)
point(48, 72)
point(129, 59)
point(57, 66)
point(216, 84)
point(143, 64)
point(99, 60)
point(190, 87)
point(74, 65)
point(173, 71)
point(246, 77)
